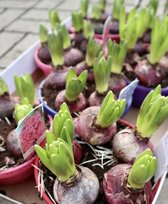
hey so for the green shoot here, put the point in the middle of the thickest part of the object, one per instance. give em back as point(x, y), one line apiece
point(65, 35)
point(21, 110)
point(102, 70)
point(153, 6)
point(118, 53)
point(43, 34)
point(93, 50)
point(96, 12)
point(55, 46)
point(53, 17)
point(117, 5)
point(63, 126)
point(159, 40)
point(74, 84)
point(143, 170)
point(153, 112)
point(110, 110)
point(102, 5)
point(84, 7)
point(88, 30)
point(58, 154)
point(25, 88)
point(3, 87)
point(77, 21)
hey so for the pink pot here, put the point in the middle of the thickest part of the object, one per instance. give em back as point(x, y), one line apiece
point(17, 174)
point(46, 69)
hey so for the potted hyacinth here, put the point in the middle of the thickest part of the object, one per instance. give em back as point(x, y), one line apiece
point(13, 167)
point(130, 142)
point(125, 183)
point(58, 157)
point(151, 69)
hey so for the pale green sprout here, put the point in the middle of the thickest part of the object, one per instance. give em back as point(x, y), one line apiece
point(117, 5)
point(77, 21)
point(25, 88)
point(21, 110)
point(53, 17)
point(118, 53)
point(43, 34)
point(143, 169)
point(75, 84)
point(102, 4)
point(58, 154)
point(144, 18)
point(153, 6)
point(88, 30)
point(3, 87)
point(65, 35)
point(96, 12)
point(134, 26)
point(110, 110)
point(153, 112)
point(55, 46)
point(102, 70)
point(84, 7)
point(93, 50)
point(159, 40)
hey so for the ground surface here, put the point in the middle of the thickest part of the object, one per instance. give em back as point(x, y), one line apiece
point(19, 22)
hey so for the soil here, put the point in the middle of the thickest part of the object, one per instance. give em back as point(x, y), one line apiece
point(5, 129)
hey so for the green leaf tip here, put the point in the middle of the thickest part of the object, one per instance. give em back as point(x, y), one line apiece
point(102, 70)
point(93, 50)
point(58, 158)
point(53, 17)
point(117, 5)
point(153, 112)
point(118, 53)
point(159, 40)
point(3, 87)
point(21, 110)
point(88, 30)
point(43, 34)
point(84, 7)
point(96, 12)
point(77, 20)
point(102, 4)
point(74, 84)
point(25, 87)
point(142, 170)
point(55, 46)
point(110, 110)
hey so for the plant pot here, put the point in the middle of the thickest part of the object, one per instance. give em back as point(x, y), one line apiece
point(141, 92)
point(46, 69)
point(17, 174)
point(49, 201)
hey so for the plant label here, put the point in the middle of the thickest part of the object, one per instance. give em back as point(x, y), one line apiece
point(161, 152)
point(128, 91)
point(30, 131)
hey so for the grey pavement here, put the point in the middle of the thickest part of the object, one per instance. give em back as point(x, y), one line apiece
point(19, 21)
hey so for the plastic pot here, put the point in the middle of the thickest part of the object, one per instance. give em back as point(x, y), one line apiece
point(141, 92)
point(17, 174)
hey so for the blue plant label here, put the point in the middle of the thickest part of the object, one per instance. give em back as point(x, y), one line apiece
point(106, 29)
point(161, 152)
point(128, 91)
point(31, 130)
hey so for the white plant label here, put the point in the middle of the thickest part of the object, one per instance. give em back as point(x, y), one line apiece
point(161, 152)
point(106, 29)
